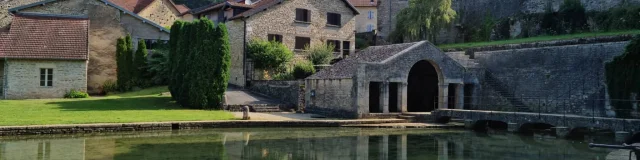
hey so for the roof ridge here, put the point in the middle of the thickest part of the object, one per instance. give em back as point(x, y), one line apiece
point(65, 16)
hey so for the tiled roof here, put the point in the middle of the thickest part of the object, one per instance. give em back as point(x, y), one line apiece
point(182, 8)
point(44, 2)
point(348, 67)
point(364, 3)
point(46, 36)
point(214, 6)
point(134, 6)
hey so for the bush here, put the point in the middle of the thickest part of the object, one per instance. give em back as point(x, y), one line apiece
point(158, 67)
point(109, 86)
point(284, 76)
point(268, 54)
point(622, 77)
point(76, 94)
point(303, 69)
point(320, 54)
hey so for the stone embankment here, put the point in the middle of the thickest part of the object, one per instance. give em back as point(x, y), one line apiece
point(121, 127)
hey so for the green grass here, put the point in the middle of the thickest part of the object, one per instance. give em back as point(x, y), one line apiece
point(141, 106)
point(536, 39)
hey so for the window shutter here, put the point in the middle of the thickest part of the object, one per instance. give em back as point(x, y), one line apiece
point(308, 14)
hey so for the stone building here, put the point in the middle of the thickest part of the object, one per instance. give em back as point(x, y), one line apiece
point(162, 12)
point(410, 77)
point(367, 21)
point(562, 77)
point(44, 56)
point(108, 22)
point(295, 23)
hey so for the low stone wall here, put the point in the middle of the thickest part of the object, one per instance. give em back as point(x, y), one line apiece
point(591, 40)
point(119, 127)
point(285, 91)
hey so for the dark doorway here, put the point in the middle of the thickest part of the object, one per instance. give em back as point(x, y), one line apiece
point(393, 97)
point(451, 98)
point(422, 89)
point(374, 97)
point(468, 93)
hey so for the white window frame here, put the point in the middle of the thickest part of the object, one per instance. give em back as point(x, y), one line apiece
point(47, 82)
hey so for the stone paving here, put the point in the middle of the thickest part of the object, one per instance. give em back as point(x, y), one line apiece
point(237, 96)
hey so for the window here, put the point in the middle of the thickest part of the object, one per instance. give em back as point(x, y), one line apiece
point(302, 42)
point(336, 45)
point(333, 19)
point(46, 77)
point(275, 37)
point(303, 15)
point(370, 15)
point(346, 47)
point(370, 27)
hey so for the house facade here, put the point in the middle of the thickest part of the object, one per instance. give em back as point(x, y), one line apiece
point(367, 20)
point(295, 23)
point(107, 23)
point(44, 56)
point(162, 12)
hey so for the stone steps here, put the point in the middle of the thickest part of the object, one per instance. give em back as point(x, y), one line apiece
point(255, 108)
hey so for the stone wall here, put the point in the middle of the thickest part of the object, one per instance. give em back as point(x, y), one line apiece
point(237, 41)
point(285, 91)
point(162, 12)
point(331, 97)
point(23, 78)
point(573, 74)
point(107, 24)
point(5, 17)
point(473, 12)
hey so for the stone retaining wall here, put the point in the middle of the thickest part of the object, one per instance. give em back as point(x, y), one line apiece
point(118, 127)
point(285, 91)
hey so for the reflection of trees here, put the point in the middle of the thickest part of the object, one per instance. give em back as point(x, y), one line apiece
point(180, 147)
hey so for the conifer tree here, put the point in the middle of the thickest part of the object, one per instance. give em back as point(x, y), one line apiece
point(140, 63)
point(120, 63)
point(176, 30)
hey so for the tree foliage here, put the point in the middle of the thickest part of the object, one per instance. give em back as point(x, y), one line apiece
point(268, 54)
point(422, 20)
point(623, 78)
point(139, 66)
point(320, 54)
point(303, 69)
point(124, 62)
point(200, 59)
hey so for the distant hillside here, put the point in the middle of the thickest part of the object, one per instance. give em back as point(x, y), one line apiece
point(195, 3)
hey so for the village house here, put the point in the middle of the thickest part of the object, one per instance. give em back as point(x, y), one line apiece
point(162, 12)
point(106, 23)
point(367, 21)
point(295, 23)
point(44, 55)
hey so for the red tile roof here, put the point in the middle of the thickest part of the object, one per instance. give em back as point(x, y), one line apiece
point(364, 3)
point(38, 36)
point(182, 8)
point(264, 4)
point(233, 3)
point(134, 6)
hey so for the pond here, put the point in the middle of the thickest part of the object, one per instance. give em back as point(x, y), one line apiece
point(296, 143)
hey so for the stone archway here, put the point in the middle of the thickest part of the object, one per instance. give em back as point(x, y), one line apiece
point(422, 89)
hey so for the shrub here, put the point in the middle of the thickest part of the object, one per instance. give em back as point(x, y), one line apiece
point(303, 69)
point(109, 86)
point(320, 54)
point(139, 64)
point(158, 67)
point(284, 76)
point(268, 54)
point(622, 76)
point(76, 94)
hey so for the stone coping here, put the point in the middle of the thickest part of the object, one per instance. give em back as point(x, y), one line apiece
point(576, 41)
point(179, 125)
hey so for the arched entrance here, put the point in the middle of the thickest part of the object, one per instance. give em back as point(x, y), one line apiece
point(422, 89)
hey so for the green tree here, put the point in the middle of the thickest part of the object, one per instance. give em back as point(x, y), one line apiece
point(120, 63)
point(174, 56)
point(574, 15)
point(320, 54)
point(140, 63)
point(268, 54)
point(623, 78)
point(423, 20)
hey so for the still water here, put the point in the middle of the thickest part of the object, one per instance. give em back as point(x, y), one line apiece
point(297, 143)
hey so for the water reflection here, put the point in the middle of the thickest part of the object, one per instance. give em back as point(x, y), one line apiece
point(313, 144)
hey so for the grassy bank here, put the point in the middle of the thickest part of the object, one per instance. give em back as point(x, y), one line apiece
point(536, 39)
point(146, 105)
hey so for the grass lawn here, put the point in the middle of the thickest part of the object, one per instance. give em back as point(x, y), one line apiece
point(141, 106)
point(536, 39)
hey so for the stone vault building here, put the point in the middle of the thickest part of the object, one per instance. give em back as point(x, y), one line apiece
point(295, 23)
point(108, 22)
point(44, 56)
point(410, 77)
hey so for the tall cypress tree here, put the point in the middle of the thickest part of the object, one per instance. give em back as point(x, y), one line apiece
point(140, 62)
point(223, 57)
point(120, 63)
point(176, 30)
point(127, 63)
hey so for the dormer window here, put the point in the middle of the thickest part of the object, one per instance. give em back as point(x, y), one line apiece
point(334, 19)
point(303, 15)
